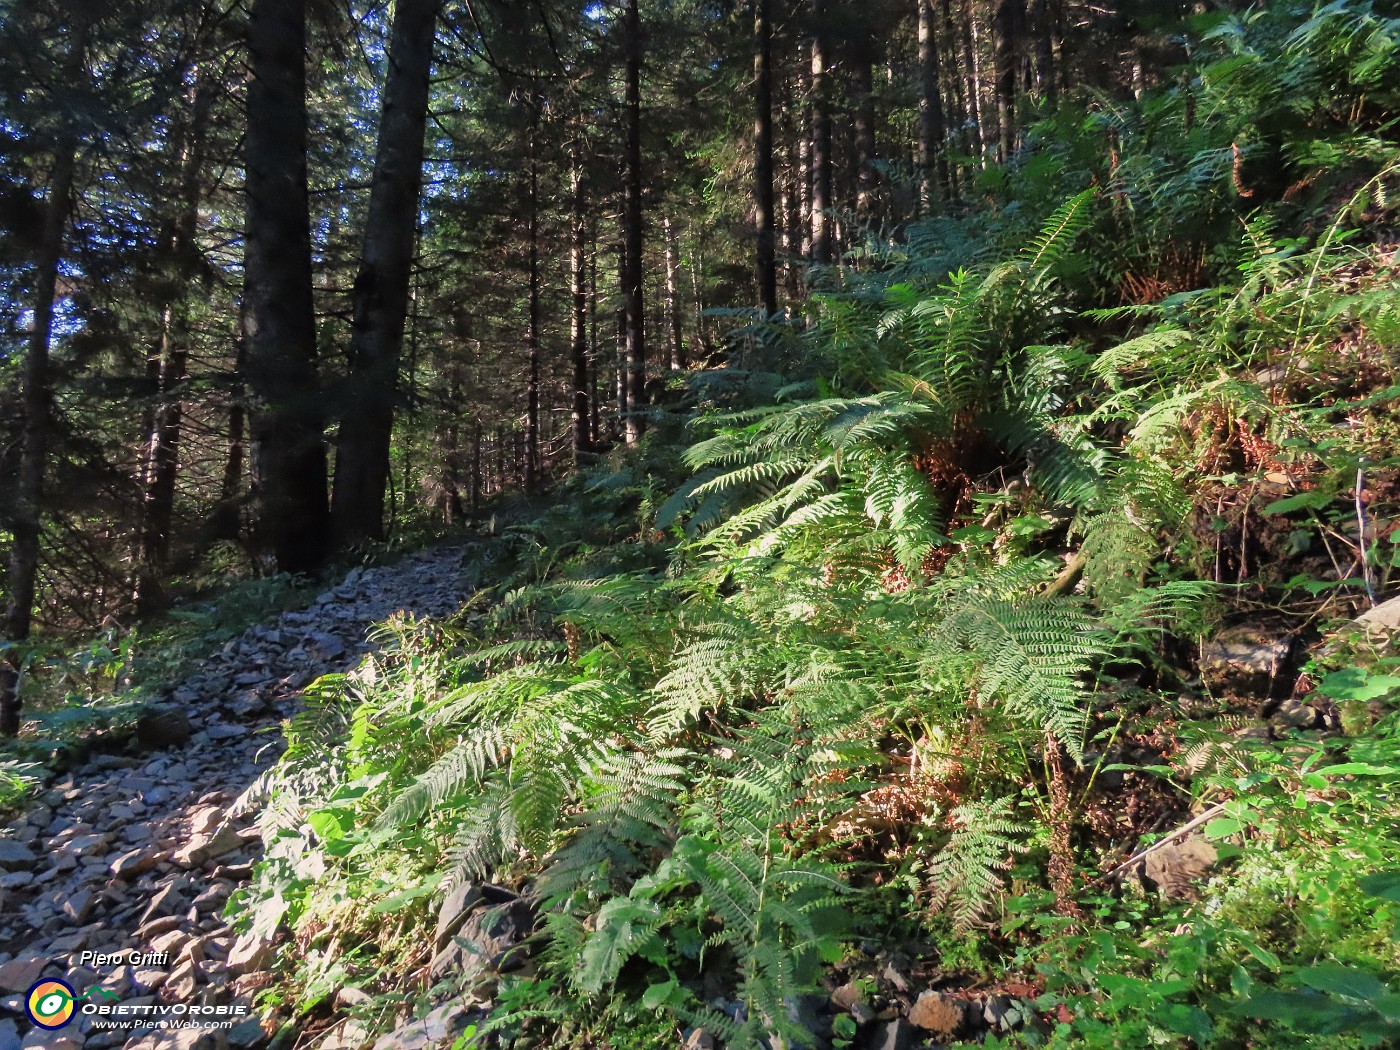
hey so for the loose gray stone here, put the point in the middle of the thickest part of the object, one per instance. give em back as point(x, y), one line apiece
point(892, 1035)
point(163, 727)
point(15, 857)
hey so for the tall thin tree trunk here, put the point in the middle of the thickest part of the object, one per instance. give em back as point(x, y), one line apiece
point(634, 308)
point(863, 126)
point(821, 140)
point(765, 257)
point(1043, 25)
point(595, 431)
point(972, 70)
point(804, 186)
point(380, 297)
point(1007, 31)
point(532, 329)
point(476, 468)
point(231, 485)
point(162, 460)
point(933, 157)
point(37, 403)
point(957, 94)
point(578, 315)
point(620, 386)
point(287, 416)
point(788, 208)
point(452, 453)
point(672, 296)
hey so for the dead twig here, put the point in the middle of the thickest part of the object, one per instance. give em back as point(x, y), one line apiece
point(1180, 832)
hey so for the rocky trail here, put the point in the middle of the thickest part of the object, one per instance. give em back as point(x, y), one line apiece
point(115, 882)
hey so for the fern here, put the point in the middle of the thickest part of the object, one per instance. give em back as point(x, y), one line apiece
point(1031, 655)
point(963, 877)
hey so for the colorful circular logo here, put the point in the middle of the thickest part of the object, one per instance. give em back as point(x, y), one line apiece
point(50, 1003)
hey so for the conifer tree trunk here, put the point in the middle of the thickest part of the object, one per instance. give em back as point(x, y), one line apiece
point(452, 509)
point(619, 352)
point(595, 423)
point(863, 126)
point(476, 468)
point(957, 93)
point(972, 70)
point(380, 298)
point(578, 315)
point(765, 259)
point(821, 141)
point(231, 485)
point(932, 157)
point(500, 459)
point(162, 460)
point(672, 299)
point(531, 437)
point(1043, 19)
point(804, 186)
point(1007, 30)
point(633, 305)
point(37, 404)
point(287, 415)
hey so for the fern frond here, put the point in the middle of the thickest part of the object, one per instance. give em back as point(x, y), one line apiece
point(964, 877)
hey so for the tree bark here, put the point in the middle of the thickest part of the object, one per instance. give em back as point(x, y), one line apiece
point(162, 460)
point(863, 126)
point(765, 259)
point(673, 298)
point(287, 416)
point(37, 404)
point(476, 468)
point(973, 71)
point(578, 314)
point(36, 400)
point(933, 157)
point(821, 140)
point(380, 297)
point(804, 190)
point(1007, 30)
point(1043, 19)
point(532, 324)
point(595, 423)
point(956, 82)
point(634, 309)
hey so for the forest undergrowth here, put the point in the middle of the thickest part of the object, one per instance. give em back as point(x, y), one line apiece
point(1039, 536)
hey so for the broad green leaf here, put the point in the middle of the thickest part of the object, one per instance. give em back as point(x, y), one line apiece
point(1341, 980)
point(1358, 769)
point(1388, 1005)
point(1223, 828)
point(327, 824)
point(658, 996)
point(1309, 500)
point(1383, 884)
point(1309, 1011)
point(1355, 683)
point(1186, 1020)
point(403, 899)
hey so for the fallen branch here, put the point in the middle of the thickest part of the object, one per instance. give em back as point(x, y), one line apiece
point(1185, 829)
point(1069, 578)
